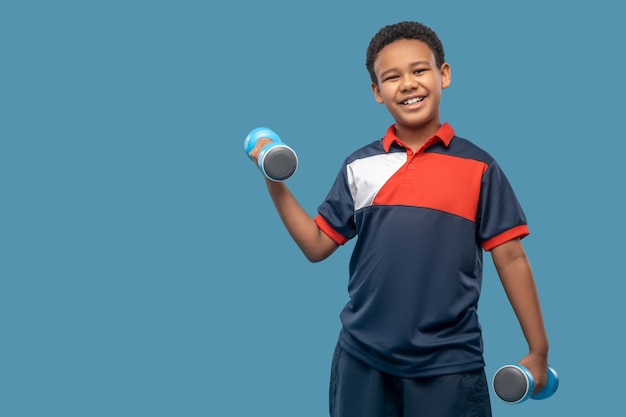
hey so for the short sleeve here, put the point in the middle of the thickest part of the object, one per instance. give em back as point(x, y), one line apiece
point(500, 217)
point(336, 213)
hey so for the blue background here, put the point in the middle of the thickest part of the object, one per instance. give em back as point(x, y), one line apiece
point(144, 271)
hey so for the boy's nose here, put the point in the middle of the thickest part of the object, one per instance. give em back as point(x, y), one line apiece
point(409, 83)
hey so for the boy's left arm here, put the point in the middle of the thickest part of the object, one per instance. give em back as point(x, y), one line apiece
point(517, 279)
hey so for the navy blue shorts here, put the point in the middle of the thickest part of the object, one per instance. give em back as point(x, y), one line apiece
point(356, 390)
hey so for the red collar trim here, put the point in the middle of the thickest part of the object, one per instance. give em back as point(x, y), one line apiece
point(445, 133)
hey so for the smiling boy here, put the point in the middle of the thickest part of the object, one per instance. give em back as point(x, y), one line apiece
point(425, 204)
point(397, 67)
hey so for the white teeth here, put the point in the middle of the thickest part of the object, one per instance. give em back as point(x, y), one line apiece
point(413, 100)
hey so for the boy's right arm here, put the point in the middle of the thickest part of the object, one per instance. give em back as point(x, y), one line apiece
point(314, 244)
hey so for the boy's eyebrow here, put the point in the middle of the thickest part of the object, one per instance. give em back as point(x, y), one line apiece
point(412, 64)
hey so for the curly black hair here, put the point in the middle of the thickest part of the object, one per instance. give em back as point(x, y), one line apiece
point(402, 30)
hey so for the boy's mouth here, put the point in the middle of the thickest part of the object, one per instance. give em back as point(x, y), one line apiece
point(413, 100)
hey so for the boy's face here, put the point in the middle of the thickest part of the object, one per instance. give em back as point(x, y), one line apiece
point(410, 84)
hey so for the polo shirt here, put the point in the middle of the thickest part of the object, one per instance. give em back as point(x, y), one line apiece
point(423, 220)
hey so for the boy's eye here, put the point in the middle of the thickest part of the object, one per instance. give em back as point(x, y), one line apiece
point(390, 78)
point(419, 71)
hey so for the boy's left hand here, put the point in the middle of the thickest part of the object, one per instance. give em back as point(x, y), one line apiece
point(538, 367)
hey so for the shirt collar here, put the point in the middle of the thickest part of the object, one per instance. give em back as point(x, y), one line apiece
point(445, 133)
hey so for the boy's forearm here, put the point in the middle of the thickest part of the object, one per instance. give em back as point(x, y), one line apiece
point(313, 243)
point(517, 279)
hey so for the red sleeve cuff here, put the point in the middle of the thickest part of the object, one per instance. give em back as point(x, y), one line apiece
point(516, 232)
point(326, 228)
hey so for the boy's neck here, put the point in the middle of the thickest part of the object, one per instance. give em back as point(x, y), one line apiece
point(415, 138)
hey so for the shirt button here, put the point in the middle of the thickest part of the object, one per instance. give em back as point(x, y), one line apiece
point(411, 166)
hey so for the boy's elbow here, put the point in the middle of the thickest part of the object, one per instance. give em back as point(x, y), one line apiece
point(314, 257)
point(319, 252)
point(317, 246)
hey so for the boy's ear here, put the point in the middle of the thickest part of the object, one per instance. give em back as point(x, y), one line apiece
point(446, 75)
point(376, 91)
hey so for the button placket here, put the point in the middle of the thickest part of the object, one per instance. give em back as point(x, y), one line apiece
point(410, 166)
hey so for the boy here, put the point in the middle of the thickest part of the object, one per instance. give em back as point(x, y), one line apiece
point(424, 203)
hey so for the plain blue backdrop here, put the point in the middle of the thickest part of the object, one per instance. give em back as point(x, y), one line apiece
point(143, 269)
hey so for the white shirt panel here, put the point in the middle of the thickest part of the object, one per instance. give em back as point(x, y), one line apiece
point(368, 175)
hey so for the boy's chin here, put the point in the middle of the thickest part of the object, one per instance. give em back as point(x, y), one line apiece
point(415, 124)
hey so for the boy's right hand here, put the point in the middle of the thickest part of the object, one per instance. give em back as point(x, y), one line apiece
point(256, 151)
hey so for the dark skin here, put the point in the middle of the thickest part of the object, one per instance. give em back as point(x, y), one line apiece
point(516, 275)
point(409, 83)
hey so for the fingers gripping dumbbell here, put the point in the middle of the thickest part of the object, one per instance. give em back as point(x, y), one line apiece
point(276, 161)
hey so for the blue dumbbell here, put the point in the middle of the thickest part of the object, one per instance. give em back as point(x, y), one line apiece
point(277, 161)
point(514, 384)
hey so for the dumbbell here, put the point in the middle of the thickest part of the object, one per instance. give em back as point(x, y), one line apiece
point(514, 384)
point(277, 161)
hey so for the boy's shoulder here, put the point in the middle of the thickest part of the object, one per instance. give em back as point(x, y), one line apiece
point(463, 148)
point(459, 147)
point(369, 150)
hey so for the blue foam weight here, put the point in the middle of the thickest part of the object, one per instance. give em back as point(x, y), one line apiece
point(276, 160)
point(514, 384)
